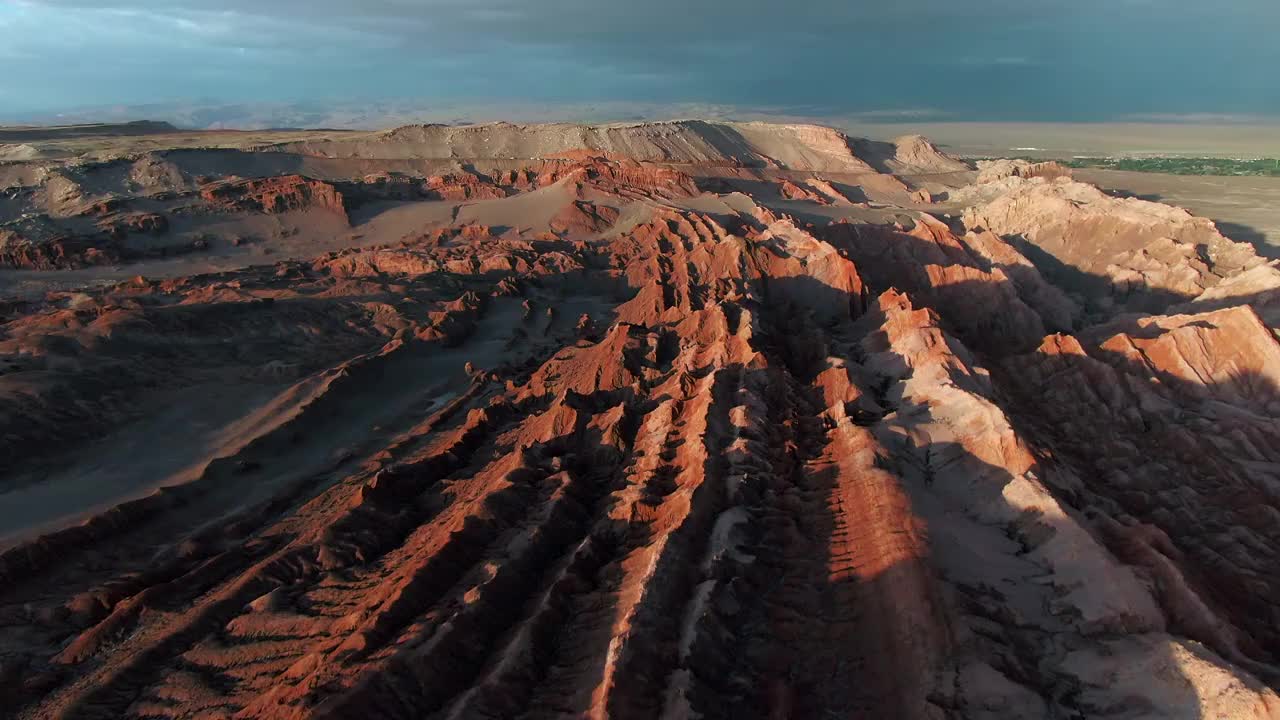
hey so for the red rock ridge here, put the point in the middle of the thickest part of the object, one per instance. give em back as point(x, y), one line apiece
point(273, 195)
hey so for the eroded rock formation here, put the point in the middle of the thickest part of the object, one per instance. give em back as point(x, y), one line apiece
point(581, 438)
point(275, 195)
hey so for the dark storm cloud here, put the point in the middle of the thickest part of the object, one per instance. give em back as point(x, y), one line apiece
point(980, 58)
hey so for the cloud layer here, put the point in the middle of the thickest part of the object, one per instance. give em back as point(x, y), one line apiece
point(982, 59)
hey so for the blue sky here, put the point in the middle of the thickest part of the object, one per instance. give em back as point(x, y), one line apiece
point(953, 59)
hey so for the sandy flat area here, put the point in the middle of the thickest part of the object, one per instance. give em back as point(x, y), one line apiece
point(1065, 140)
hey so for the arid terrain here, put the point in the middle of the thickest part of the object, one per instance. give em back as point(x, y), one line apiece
point(1245, 208)
point(1064, 140)
point(682, 419)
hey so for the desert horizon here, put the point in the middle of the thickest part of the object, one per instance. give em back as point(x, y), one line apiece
point(1245, 137)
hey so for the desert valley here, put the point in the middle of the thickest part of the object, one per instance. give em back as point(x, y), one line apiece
point(664, 419)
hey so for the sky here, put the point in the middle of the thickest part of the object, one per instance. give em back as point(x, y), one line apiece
point(1067, 60)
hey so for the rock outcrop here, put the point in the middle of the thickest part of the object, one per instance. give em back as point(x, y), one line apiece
point(990, 171)
point(1154, 255)
point(53, 253)
point(273, 195)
